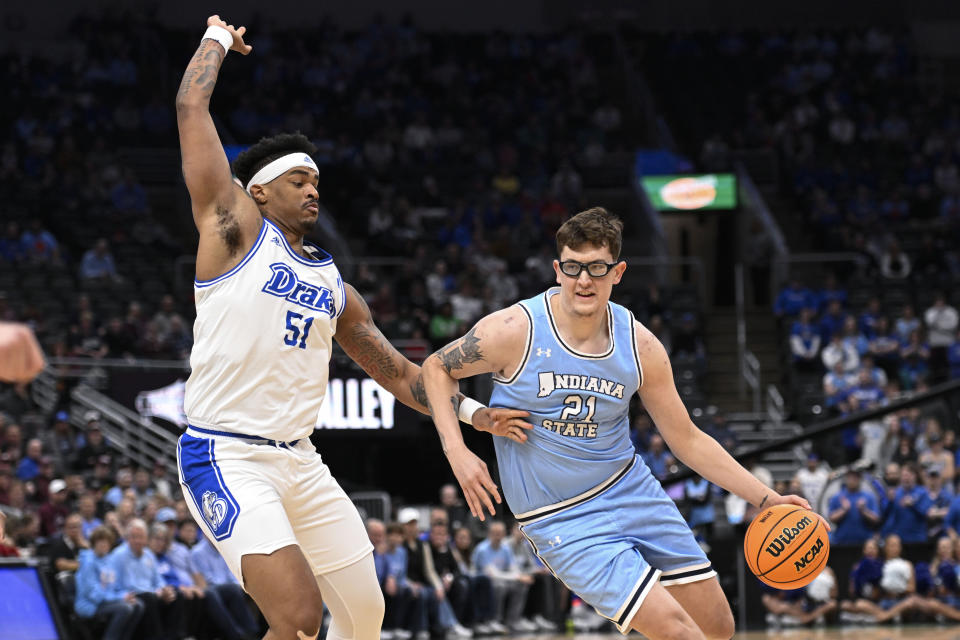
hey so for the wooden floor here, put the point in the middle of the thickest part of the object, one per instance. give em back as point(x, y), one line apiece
point(902, 632)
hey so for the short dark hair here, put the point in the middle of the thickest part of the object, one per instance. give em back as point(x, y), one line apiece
point(102, 533)
point(596, 226)
point(251, 160)
point(395, 527)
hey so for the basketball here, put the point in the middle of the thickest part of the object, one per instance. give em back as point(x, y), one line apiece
point(786, 546)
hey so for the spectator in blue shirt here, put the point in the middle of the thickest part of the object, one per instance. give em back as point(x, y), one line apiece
point(97, 593)
point(854, 512)
point(403, 608)
point(29, 467)
point(124, 481)
point(853, 337)
point(805, 342)
point(907, 513)
point(866, 391)
point(884, 346)
point(493, 558)
point(223, 604)
point(39, 245)
point(136, 569)
point(914, 361)
point(658, 459)
point(831, 322)
point(97, 263)
point(829, 294)
point(793, 299)
point(868, 319)
point(835, 385)
point(953, 358)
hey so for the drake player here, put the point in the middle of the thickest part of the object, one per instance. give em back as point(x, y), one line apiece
point(269, 306)
point(594, 513)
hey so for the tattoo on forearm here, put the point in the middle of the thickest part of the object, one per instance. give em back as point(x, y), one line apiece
point(443, 442)
point(463, 351)
point(419, 393)
point(455, 401)
point(201, 73)
point(373, 353)
point(763, 502)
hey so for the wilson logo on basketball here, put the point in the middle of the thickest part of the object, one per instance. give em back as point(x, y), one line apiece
point(788, 534)
point(690, 193)
point(808, 557)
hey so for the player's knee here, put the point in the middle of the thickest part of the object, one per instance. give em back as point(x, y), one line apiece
point(721, 627)
point(304, 618)
point(679, 626)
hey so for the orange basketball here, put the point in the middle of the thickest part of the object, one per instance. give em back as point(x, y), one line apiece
point(786, 546)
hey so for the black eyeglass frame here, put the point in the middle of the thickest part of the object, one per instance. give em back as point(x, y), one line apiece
point(587, 265)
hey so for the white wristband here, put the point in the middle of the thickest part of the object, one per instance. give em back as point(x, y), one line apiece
point(221, 35)
point(468, 407)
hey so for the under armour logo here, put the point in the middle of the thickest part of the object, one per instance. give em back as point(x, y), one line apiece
point(543, 352)
point(556, 540)
point(275, 240)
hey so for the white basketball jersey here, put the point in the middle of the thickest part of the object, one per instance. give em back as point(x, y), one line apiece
point(262, 342)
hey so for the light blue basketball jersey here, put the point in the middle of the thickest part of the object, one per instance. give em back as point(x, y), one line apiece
point(579, 407)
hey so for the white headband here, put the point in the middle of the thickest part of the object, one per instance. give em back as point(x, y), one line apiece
point(280, 166)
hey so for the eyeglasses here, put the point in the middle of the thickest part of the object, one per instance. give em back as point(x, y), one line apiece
point(573, 268)
point(438, 523)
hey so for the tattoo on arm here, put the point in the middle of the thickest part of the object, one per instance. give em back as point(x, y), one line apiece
point(373, 353)
point(419, 393)
point(202, 71)
point(463, 351)
point(763, 502)
point(455, 401)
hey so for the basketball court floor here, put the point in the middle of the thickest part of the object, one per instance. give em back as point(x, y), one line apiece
point(901, 632)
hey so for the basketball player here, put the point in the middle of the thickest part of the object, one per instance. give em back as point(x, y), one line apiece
point(592, 510)
point(269, 306)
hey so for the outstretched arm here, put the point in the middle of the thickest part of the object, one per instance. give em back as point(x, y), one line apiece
point(494, 344)
point(205, 167)
point(689, 444)
point(366, 345)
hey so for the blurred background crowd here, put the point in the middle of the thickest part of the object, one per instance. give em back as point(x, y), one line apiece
point(447, 162)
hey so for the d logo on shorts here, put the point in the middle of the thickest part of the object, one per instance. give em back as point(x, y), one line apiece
point(214, 509)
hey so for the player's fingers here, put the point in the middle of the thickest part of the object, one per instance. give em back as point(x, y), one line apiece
point(468, 496)
point(507, 414)
point(521, 424)
point(242, 30)
point(491, 487)
point(246, 49)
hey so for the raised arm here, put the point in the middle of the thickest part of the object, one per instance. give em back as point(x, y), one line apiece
point(494, 345)
point(222, 212)
point(689, 444)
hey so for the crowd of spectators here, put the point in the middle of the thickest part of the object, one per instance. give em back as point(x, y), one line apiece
point(867, 151)
point(451, 156)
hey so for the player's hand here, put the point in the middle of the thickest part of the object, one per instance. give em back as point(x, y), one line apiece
point(474, 479)
point(20, 356)
point(800, 502)
point(238, 44)
point(508, 423)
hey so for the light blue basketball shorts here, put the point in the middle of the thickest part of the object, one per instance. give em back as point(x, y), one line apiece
point(609, 545)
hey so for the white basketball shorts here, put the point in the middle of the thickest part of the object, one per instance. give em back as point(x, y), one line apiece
point(251, 495)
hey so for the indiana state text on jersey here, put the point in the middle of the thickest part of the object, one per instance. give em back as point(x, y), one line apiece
point(283, 283)
point(570, 423)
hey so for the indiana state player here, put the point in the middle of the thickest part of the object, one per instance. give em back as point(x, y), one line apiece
point(268, 308)
point(592, 510)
